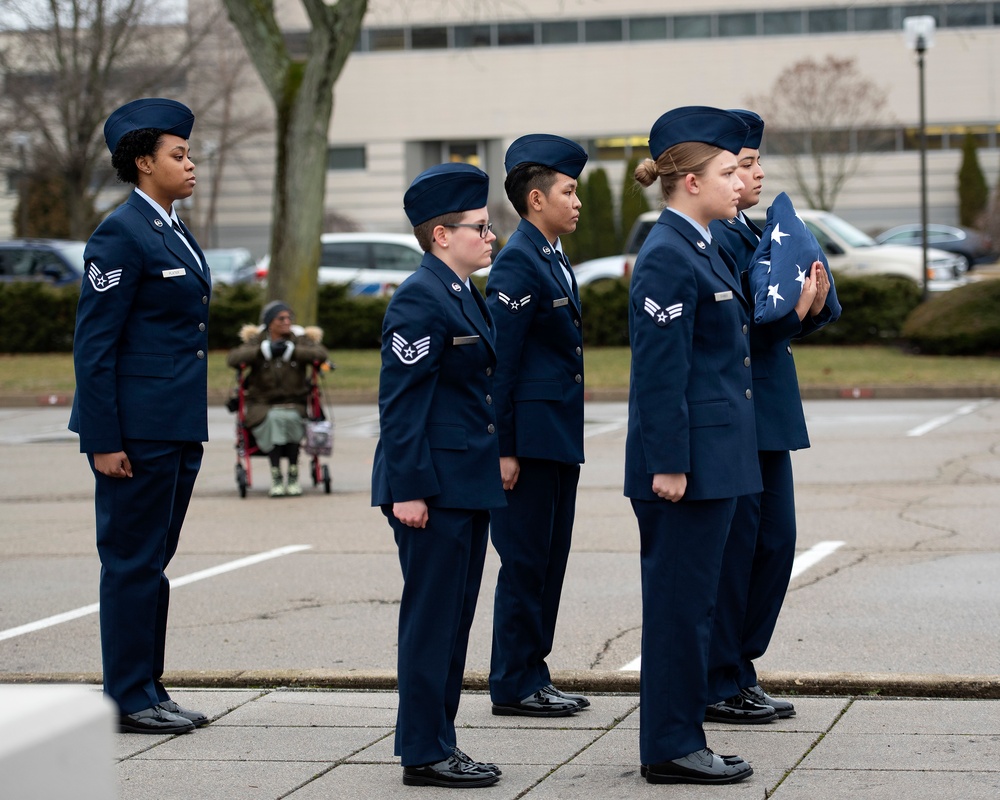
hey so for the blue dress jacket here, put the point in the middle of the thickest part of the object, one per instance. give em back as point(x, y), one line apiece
point(141, 342)
point(539, 382)
point(438, 436)
point(690, 406)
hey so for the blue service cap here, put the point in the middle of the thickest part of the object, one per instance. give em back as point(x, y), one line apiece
point(149, 112)
point(756, 125)
point(555, 152)
point(704, 124)
point(454, 186)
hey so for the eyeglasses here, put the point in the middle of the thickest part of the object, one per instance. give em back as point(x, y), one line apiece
point(484, 230)
point(283, 318)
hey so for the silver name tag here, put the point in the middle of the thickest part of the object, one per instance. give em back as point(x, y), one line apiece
point(720, 296)
point(174, 273)
point(562, 301)
point(465, 340)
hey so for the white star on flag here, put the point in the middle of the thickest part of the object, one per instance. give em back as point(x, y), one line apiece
point(784, 257)
point(410, 353)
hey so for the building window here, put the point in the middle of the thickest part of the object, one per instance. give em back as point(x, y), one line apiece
point(463, 152)
point(345, 158)
point(782, 23)
point(515, 33)
point(828, 20)
point(387, 39)
point(693, 26)
point(921, 10)
point(738, 24)
point(473, 36)
point(873, 19)
point(602, 30)
point(435, 38)
point(967, 15)
point(560, 32)
point(645, 29)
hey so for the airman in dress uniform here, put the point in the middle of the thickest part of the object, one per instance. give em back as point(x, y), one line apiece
point(141, 399)
point(437, 464)
point(539, 400)
point(691, 447)
point(761, 546)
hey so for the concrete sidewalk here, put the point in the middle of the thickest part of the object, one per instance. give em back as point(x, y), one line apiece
point(338, 745)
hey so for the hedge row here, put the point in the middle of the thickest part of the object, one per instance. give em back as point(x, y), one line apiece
point(879, 309)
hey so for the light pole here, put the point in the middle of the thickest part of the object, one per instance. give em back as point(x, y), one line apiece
point(919, 32)
point(22, 142)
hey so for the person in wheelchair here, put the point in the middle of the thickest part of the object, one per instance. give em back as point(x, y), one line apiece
point(278, 355)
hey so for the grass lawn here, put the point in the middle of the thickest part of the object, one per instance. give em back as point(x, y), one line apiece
point(606, 368)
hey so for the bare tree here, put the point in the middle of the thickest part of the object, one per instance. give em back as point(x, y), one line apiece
point(301, 89)
point(821, 117)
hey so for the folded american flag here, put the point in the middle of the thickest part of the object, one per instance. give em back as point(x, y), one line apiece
point(782, 262)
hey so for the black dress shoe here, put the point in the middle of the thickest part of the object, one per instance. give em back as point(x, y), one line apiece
point(451, 773)
point(540, 704)
point(482, 766)
point(154, 720)
point(782, 708)
point(701, 766)
point(195, 717)
point(579, 699)
point(739, 710)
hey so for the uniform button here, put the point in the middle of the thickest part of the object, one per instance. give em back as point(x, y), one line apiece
point(576, 322)
point(491, 428)
point(578, 378)
point(204, 300)
point(489, 371)
point(788, 347)
point(745, 329)
point(746, 361)
point(201, 354)
point(201, 326)
point(749, 394)
point(579, 351)
point(489, 399)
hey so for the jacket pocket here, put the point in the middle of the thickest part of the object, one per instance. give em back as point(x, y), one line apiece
point(706, 415)
point(537, 390)
point(146, 365)
point(447, 437)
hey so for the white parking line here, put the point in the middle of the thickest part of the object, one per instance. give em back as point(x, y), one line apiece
point(938, 422)
point(83, 611)
point(809, 558)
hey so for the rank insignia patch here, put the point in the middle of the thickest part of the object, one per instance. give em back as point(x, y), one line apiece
point(513, 305)
point(410, 353)
point(662, 316)
point(102, 281)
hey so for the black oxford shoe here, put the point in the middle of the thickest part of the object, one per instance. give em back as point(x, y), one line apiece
point(480, 765)
point(579, 699)
point(701, 766)
point(195, 717)
point(782, 708)
point(154, 720)
point(451, 773)
point(540, 704)
point(739, 710)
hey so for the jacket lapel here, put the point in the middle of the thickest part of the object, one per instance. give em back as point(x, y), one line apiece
point(171, 241)
point(716, 263)
point(551, 255)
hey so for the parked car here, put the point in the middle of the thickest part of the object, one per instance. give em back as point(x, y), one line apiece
point(609, 268)
point(974, 247)
point(371, 263)
point(231, 265)
point(54, 261)
point(849, 251)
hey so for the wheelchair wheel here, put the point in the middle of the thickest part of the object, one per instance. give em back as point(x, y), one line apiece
point(241, 479)
point(326, 479)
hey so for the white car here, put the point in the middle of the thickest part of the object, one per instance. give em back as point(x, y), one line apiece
point(610, 268)
point(370, 263)
point(849, 251)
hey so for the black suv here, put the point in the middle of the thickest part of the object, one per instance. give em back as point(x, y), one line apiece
point(50, 260)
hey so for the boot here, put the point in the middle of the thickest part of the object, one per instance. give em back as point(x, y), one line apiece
point(293, 489)
point(277, 484)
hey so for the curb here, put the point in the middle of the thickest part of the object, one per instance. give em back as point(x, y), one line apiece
point(954, 687)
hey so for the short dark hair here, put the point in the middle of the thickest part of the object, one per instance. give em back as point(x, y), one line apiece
point(523, 179)
point(424, 230)
point(143, 142)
